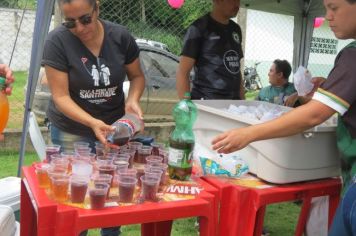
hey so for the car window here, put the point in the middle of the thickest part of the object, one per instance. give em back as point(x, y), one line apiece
point(158, 65)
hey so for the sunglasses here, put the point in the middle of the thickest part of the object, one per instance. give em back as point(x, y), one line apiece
point(84, 20)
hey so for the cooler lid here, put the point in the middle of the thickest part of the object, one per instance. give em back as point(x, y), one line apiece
point(10, 190)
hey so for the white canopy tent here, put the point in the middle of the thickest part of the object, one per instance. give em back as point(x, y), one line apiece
point(304, 12)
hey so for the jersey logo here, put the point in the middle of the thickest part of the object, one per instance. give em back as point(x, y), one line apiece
point(99, 75)
point(232, 61)
point(214, 37)
point(235, 36)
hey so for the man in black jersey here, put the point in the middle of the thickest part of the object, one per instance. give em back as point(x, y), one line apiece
point(212, 45)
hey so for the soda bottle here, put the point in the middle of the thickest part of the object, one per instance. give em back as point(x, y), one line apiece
point(181, 141)
point(4, 106)
point(125, 128)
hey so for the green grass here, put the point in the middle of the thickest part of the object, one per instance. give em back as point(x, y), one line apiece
point(17, 100)
point(251, 95)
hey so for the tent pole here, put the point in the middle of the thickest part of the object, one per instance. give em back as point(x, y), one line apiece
point(42, 23)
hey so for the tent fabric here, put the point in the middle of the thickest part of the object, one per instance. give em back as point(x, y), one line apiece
point(303, 11)
point(41, 28)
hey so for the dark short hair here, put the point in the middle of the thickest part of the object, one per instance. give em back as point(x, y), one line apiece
point(284, 67)
point(91, 2)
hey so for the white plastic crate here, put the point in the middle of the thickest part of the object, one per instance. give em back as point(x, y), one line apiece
point(306, 156)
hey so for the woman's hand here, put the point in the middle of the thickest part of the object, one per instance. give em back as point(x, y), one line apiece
point(6, 72)
point(133, 107)
point(101, 130)
point(231, 140)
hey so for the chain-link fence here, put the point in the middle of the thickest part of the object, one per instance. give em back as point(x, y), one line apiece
point(266, 37)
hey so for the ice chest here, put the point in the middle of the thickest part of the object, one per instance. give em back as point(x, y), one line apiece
point(306, 156)
point(10, 193)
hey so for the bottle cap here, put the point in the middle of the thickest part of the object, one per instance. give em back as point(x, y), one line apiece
point(2, 83)
point(186, 95)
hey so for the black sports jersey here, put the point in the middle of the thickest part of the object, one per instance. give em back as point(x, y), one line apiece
point(217, 50)
point(95, 83)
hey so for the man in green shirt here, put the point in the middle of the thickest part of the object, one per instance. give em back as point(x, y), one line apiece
point(280, 91)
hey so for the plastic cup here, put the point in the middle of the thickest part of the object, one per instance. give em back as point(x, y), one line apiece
point(103, 178)
point(97, 194)
point(55, 173)
point(83, 150)
point(121, 164)
point(154, 160)
point(130, 172)
point(156, 147)
point(50, 150)
point(99, 149)
point(163, 152)
point(135, 146)
point(59, 162)
point(60, 186)
point(130, 152)
point(81, 168)
point(107, 169)
point(154, 172)
point(80, 144)
point(143, 152)
point(140, 171)
point(126, 188)
point(42, 175)
point(149, 187)
point(164, 177)
point(125, 156)
point(69, 155)
point(78, 188)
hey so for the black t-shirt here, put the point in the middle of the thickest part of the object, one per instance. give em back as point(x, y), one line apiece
point(95, 83)
point(217, 50)
point(338, 91)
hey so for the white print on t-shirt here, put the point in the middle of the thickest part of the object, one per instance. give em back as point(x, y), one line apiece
point(105, 74)
point(95, 75)
point(232, 61)
point(235, 36)
point(97, 93)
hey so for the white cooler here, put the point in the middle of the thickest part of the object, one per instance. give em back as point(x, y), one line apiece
point(10, 188)
point(306, 156)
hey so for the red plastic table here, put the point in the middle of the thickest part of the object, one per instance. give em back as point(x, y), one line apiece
point(242, 208)
point(43, 217)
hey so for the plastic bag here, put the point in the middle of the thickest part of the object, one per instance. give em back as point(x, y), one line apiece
point(302, 81)
point(207, 162)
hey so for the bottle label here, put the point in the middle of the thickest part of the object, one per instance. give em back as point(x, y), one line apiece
point(180, 157)
point(129, 124)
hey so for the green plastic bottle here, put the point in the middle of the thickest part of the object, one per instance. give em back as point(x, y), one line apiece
point(181, 141)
